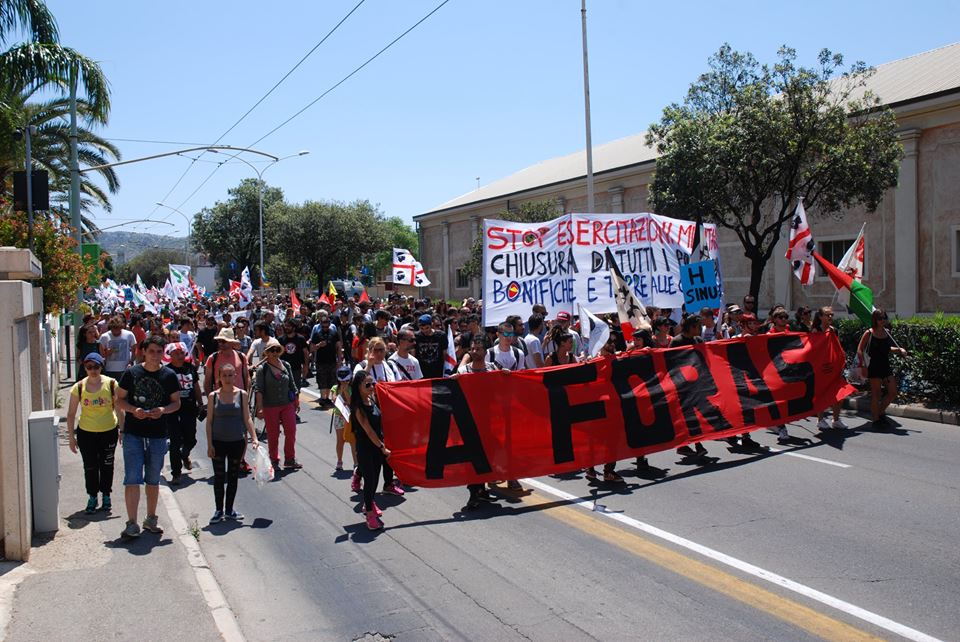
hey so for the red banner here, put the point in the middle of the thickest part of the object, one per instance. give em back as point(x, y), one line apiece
point(507, 425)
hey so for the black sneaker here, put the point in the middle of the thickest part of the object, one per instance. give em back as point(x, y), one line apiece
point(686, 451)
point(748, 442)
point(175, 480)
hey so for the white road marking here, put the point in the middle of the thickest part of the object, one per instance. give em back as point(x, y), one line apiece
point(223, 615)
point(745, 567)
point(809, 458)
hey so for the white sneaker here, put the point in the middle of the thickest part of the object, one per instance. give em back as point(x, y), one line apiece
point(839, 425)
point(824, 424)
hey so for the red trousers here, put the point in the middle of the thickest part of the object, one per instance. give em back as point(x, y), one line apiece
point(273, 416)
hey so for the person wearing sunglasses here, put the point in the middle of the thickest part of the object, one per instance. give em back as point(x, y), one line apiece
point(275, 403)
point(96, 434)
point(372, 453)
point(874, 350)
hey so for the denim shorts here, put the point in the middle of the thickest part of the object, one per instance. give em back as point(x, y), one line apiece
point(143, 459)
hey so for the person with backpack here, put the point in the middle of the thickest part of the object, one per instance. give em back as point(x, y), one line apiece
point(96, 434)
point(275, 402)
point(228, 351)
point(504, 353)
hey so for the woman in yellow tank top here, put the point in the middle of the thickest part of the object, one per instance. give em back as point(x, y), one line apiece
point(96, 434)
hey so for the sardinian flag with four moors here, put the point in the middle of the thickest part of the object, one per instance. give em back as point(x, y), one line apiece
point(407, 270)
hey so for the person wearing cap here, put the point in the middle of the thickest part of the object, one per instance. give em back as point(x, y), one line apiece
point(431, 348)
point(275, 402)
point(731, 328)
point(341, 423)
point(182, 425)
point(96, 435)
point(228, 351)
point(563, 321)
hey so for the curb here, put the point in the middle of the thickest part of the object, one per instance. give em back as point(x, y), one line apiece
point(861, 403)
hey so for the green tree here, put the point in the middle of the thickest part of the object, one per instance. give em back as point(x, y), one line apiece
point(229, 232)
point(43, 65)
point(283, 272)
point(749, 139)
point(399, 234)
point(64, 273)
point(529, 212)
point(152, 265)
point(331, 239)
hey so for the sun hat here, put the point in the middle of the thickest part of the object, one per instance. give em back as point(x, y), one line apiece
point(271, 344)
point(226, 334)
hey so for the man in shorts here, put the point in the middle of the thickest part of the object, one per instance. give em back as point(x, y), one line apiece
point(147, 392)
point(327, 356)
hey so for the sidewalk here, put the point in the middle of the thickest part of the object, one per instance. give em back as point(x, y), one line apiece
point(860, 402)
point(83, 583)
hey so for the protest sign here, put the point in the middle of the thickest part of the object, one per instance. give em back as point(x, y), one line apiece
point(699, 284)
point(507, 425)
point(562, 262)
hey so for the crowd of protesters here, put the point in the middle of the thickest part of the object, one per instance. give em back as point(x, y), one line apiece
point(145, 380)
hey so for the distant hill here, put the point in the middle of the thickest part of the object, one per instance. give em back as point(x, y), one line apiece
point(133, 243)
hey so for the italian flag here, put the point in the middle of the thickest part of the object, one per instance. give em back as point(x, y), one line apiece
point(852, 293)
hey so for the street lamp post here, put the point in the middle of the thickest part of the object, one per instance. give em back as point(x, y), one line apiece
point(260, 173)
point(186, 250)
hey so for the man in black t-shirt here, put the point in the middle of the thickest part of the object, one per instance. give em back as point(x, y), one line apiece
point(295, 352)
point(182, 425)
point(328, 355)
point(206, 337)
point(431, 348)
point(147, 392)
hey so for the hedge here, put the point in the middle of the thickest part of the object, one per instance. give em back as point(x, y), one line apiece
point(931, 371)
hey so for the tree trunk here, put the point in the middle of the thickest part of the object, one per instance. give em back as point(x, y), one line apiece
point(757, 264)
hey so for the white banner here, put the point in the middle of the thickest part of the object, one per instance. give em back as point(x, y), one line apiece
point(561, 263)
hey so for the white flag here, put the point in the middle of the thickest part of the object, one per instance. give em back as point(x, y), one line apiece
point(407, 270)
point(246, 289)
point(800, 250)
point(594, 330)
point(450, 358)
point(631, 312)
point(170, 292)
point(852, 261)
point(179, 278)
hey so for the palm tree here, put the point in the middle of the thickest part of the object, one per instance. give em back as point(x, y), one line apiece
point(43, 64)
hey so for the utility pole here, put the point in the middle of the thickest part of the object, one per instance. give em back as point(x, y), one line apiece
point(27, 132)
point(586, 107)
point(75, 188)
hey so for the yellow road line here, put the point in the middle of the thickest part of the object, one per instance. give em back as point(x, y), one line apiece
point(779, 606)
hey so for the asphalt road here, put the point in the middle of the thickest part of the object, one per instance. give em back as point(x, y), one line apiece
point(837, 537)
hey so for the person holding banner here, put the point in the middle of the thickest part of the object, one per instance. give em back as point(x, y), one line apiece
point(779, 322)
point(372, 453)
point(563, 348)
point(823, 322)
point(563, 321)
point(476, 362)
point(690, 329)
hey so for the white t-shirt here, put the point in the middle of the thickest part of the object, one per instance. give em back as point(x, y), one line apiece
point(408, 368)
point(507, 360)
point(533, 347)
point(122, 346)
point(257, 350)
point(381, 372)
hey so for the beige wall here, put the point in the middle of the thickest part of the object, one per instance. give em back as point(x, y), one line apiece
point(936, 192)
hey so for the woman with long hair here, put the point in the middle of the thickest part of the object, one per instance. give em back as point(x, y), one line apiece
point(228, 425)
point(372, 453)
point(874, 349)
point(823, 322)
point(562, 342)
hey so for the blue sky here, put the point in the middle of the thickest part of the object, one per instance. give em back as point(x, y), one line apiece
point(481, 89)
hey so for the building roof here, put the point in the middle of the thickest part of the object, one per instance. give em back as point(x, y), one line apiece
point(898, 82)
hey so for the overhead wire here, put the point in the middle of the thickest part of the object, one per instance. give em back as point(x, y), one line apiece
point(320, 97)
point(249, 111)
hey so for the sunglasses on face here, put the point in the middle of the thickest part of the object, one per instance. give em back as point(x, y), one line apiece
point(509, 334)
point(369, 384)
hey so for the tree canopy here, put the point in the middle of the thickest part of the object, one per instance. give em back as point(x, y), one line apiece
point(152, 265)
point(751, 139)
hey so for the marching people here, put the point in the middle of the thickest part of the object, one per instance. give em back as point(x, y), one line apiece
point(228, 427)
point(477, 362)
point(342, 426)
point(327, 355)
point(227, 351)
point(96, 433)
point(690, 329)
point(874, 350)
point(431, 348)
point(778, 322)
point(147, 392)
point(275, 403)
point(823, 322)
point(182, 425)
point(372, 453)
point(562, 342)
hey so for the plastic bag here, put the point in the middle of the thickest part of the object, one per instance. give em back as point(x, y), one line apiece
point(260, 428)
point(259, 461)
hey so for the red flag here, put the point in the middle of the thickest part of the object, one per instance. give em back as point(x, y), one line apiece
point(324, 299)
point(235, 288)
point(295, 302)
point(364, 297)
point(193, 286)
